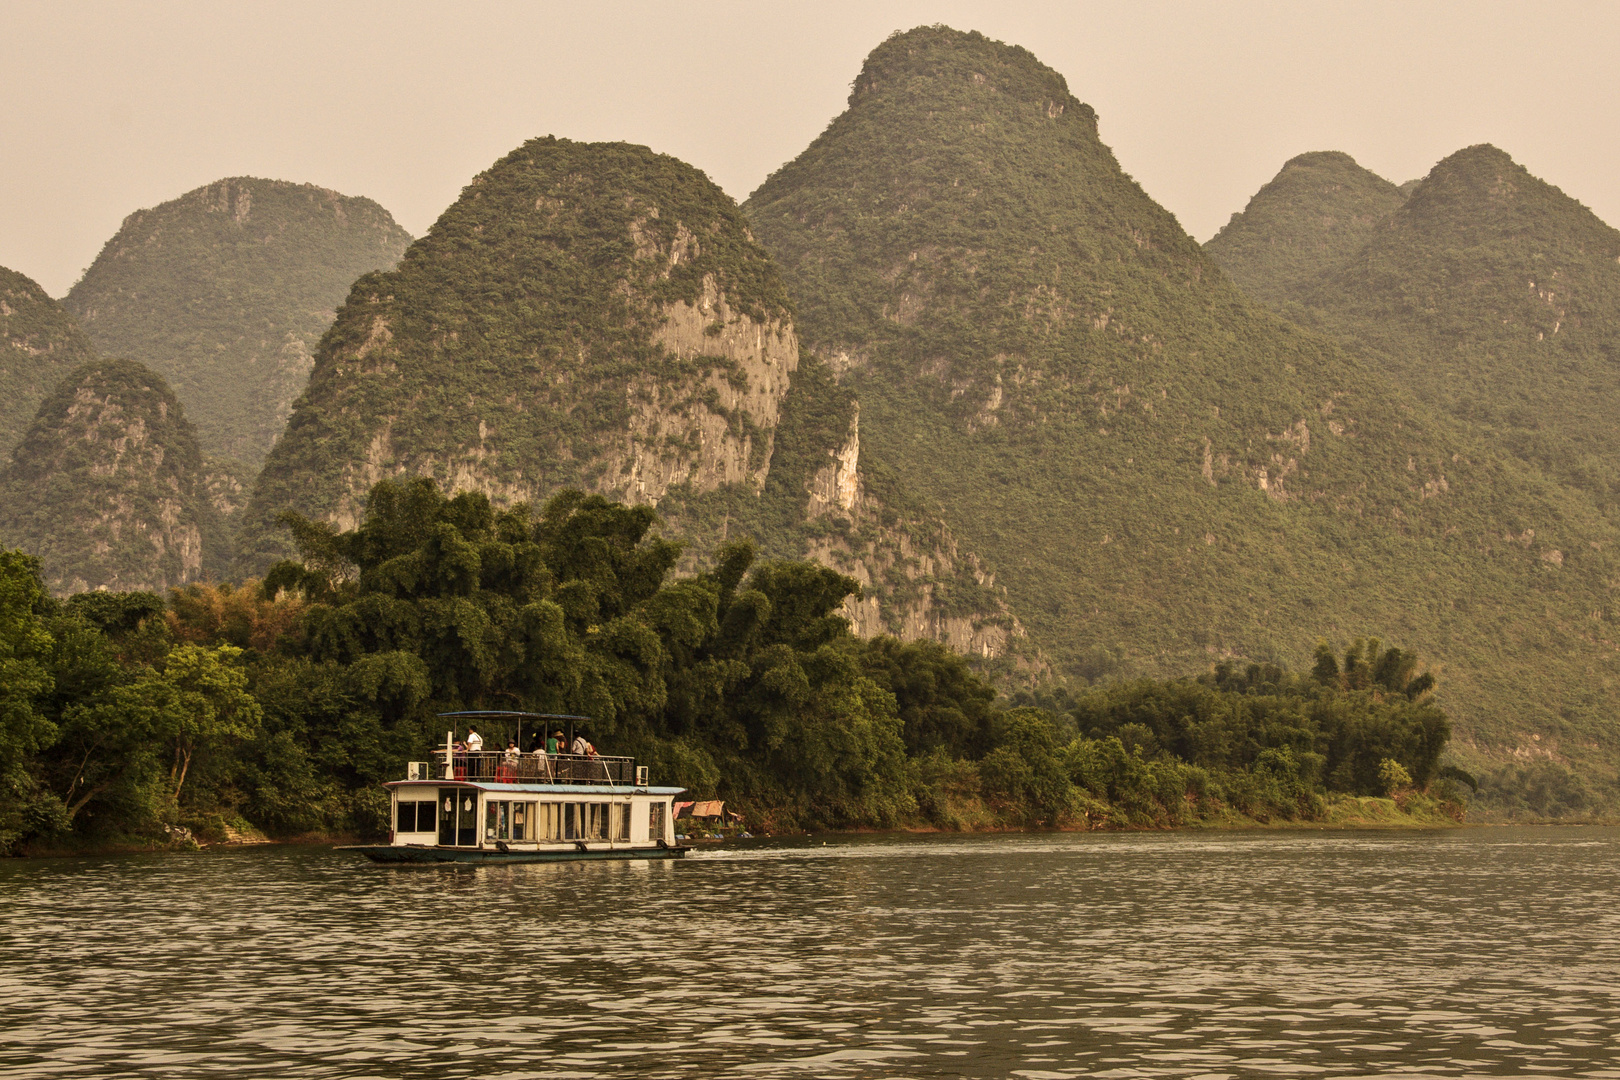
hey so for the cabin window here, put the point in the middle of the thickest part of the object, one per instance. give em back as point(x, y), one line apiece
point(621, 821)
point(655, 821)
point(497, 821)
point(416, 817)
point(512, 820)
point(523, 821)
point(548, 821)
point(572, 828)
point(597, 820)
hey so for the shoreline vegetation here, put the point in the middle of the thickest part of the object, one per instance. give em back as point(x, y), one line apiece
point(276, 709)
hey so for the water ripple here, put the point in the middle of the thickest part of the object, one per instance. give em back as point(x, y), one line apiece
point(1475, 953)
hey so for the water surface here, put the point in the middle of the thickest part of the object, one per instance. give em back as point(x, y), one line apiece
point(1483, 952)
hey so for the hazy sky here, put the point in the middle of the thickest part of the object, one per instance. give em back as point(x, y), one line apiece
point(108, 107)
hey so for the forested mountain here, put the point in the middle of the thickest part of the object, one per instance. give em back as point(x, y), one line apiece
point(1159, 471)
point(1312, 217)
point(105, 488)
point(226, 291)
point(598, 315)
point(39, 344)
point(1496, 297)
point(1490, 294)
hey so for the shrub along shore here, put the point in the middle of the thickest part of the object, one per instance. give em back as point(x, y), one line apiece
point(276, 708)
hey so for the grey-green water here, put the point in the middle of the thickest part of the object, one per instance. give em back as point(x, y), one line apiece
point(1471, 953)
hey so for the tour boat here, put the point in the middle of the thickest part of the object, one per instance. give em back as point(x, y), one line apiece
point(494, 806)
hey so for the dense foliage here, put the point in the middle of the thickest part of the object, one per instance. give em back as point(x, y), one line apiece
point(283, 707)
point(501, 353)
point(107, 486)
point(225, 292)
point(39, 344)
point(1157, 469)
point(1313, 216)
point(1496, 298)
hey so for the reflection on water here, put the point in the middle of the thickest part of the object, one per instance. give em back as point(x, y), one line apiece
point(1473, 953)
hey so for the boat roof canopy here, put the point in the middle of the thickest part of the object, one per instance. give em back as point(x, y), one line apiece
point(502, 714)
point(536, 789)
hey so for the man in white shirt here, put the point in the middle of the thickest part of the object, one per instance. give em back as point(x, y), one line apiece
point(475, 741)
point(581, 747)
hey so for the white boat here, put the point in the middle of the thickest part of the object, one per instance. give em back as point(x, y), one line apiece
point(493, 806)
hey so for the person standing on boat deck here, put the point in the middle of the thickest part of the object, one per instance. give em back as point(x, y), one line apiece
point(475, 741)
point(554, 744)
point(581, 747)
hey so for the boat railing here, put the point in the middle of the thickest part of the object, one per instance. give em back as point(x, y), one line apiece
point(500, 767)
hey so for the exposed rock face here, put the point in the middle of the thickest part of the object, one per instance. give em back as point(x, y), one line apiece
point(105, 487)
point(1312, 217)
point(226, 291)
point(39, 344)
point(586, 314)
point(714, 430)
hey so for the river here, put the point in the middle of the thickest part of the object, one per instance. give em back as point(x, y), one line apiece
point(1476, 952)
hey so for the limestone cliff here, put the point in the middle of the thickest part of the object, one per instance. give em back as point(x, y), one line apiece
point(1158, 469)
point(105, 487)
point(819, 503)
point(915, 580)
point(593, 315)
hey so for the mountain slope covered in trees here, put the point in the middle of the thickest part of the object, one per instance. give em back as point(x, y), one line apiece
point(1490, 295)
point(106, 487)
point(1495, 297)
point(39, 344)
point(583, 314)
point(1313, 216)
point(1159, 471)
point(226, 291)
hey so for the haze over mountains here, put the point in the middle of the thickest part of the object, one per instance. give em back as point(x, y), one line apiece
point(950, 349)
point(225, 292)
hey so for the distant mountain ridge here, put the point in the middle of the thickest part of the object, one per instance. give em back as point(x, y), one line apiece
point(1489, 293)
point(39, 344)
point(1313, 216)
point(226, 290)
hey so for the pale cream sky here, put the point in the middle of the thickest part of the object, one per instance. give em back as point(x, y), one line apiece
point(111, 107)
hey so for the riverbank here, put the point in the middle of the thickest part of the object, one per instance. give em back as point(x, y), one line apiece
point(1413, 811)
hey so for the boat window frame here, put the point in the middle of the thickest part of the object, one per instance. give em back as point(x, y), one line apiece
point(416, 815)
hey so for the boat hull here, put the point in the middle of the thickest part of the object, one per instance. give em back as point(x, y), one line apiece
point(415, 854)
